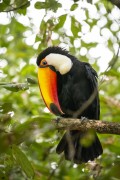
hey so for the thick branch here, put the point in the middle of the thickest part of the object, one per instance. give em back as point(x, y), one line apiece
point(102, 127)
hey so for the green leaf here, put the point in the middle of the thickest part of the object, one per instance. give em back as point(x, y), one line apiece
point(39, 5)
point(22, 11)
point(7, 2)
point(61, 22)
point(43, 26)
point(3, 176)
point(3, 6)
point(22, 161)
point(112, 73)
point(73, 7)
point(75, 26)
point(37, 38)
point(32, 80)
point(48, 5)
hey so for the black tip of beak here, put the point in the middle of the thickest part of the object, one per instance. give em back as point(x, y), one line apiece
point(54, 109)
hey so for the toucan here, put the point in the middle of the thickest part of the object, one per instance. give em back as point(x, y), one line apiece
point(69, 89)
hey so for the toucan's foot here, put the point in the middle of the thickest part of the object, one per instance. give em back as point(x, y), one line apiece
point(83, 119)
point(58, 119)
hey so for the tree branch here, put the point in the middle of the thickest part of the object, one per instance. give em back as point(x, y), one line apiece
point(17, 8)
point(116, 2)
point(102, 127)
point(14, 86)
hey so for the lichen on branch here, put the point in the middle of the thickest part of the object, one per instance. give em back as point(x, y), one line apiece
point(103, 127)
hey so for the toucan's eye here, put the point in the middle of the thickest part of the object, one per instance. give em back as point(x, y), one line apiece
point(43, 62)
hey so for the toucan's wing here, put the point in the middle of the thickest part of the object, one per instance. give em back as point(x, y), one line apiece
point(92, 77)
point(84, 91)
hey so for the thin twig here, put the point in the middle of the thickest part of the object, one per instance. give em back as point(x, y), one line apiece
point(110, 66)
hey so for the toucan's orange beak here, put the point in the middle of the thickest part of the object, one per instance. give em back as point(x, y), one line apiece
point(47, 79)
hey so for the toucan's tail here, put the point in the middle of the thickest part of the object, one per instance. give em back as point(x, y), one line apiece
point(75, 151)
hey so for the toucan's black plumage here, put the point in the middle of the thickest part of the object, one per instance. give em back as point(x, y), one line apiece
point(74, 91)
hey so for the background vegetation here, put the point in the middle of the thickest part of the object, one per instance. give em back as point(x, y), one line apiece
point(27, 137)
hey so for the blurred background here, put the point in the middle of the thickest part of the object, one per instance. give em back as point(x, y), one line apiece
point(90, 30)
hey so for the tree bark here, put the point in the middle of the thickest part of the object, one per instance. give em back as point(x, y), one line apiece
point(99, 126)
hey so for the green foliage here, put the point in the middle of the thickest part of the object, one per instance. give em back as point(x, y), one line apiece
point(75, 27)
point(7, 6)
point(73, 7)
point(61, 22)
point(48, 5)
point(22, 161)
point(27, 136)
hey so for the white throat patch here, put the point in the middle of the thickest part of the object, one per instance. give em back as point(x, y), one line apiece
point(61, 62)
